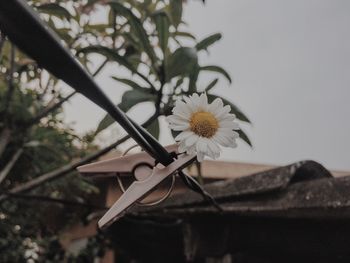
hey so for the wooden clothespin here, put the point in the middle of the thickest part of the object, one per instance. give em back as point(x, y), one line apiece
point(139, 164)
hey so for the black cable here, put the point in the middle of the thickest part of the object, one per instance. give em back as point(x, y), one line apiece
point(28, 32)
point(191, 183)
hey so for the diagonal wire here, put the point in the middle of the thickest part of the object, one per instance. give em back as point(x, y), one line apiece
point(191, 183)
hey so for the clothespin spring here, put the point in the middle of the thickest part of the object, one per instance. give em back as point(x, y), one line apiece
point(189, 181)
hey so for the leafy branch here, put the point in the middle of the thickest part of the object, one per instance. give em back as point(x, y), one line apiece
point(64, 170)
point(177, 71)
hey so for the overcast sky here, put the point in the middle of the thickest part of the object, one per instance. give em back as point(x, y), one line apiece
point(290, 61)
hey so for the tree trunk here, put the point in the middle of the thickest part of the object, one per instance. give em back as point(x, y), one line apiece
point(5, 137)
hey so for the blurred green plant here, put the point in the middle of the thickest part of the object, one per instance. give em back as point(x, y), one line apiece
point(36, 146)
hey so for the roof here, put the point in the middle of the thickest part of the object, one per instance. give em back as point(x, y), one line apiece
point(227, 169)
point(298, 186)
point(288, 213)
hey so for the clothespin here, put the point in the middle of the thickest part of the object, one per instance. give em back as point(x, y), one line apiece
point(139, 164)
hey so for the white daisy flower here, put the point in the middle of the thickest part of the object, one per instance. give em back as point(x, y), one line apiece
point(203, 126)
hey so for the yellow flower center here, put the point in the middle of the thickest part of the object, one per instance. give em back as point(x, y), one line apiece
point(204, 124)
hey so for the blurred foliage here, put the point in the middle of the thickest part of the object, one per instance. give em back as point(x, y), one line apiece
point(149, 39)
point(30, 146)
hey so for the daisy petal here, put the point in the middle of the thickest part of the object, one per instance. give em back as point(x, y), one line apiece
point(210, 153)
point(195, 100)
point(182, 148)
point(229, 124)
point(173, 119)
point(201, 145)
point(225, 130)
point(191, 140)
point(203, 100)
point(215, 106)
point(230, 117)
point(190, 104)
point(200, 157)
point(223, 140)
point(191, 150)
point(182, 109)
point(222, 112)
point(214, 148)
point(183, 135)
point(179, 127)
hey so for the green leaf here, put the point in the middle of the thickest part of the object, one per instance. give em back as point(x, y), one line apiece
point(154, 129)
point(104, 123)
point(110, 54)
point(137, 27)
point(132, 40)
point(54, 10)
point(134, 59)
point(183, 34)
point(111, 17)
point(64, 34)
point(206, 42)
point(244, 137)
point(178, 83)
point(218, 70)
point(130, 99)
point(182, 62)
point(162, 25)
point(175, 11)
point(98, 27)
point(128, 82)
point(211, 85)
point(234, 109)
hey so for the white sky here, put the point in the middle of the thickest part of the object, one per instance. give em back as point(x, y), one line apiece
point(290, 61)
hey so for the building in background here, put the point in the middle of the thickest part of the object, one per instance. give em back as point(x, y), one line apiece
point(186, 229)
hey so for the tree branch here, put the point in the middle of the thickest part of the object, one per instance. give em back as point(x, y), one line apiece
point(98, 70)
point(43, 198)
point(52, 108)
point(4, 172)
point(62, 171)
point(5, 138)
point(146, 79)
point(49, 109)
